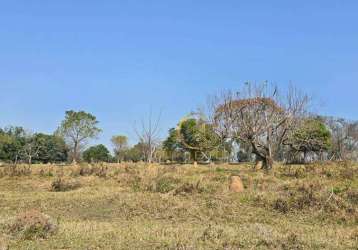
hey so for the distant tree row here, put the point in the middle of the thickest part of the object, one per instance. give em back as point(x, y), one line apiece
point(256, 123)
point(16, 145)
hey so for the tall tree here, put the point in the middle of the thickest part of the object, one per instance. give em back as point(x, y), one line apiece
point(148, 136)
point(120, 144)
point(76, 129)
point(259, 116)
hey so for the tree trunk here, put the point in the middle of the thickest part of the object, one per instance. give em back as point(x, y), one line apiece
point(305, 157)
point(74, 160)
point(267, 163)
point(193, 155)
point(263, 157)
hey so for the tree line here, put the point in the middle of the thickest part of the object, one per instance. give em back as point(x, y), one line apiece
point(255, 123)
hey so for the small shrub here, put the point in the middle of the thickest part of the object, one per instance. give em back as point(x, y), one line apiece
point(339, 190)
point(85, 170)
point(163, 184)
point(101, 171)
point(32, 225)
point(292, 242)
point(60, 172)
point(327, 172)
point(352, 196)
point(347, 170)
point(303, 197)
point(188, 188)
point(48, 173)
point(212, 234)
point(61, 185)
point(135, 183)
point(281, 205)
point(294, 171)
point(219, 178)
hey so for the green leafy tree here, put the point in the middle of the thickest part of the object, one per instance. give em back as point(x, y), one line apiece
point(98, 153)
point(171, 144)
point(76, 129)
point(135, 153)
point(12, 141)
point(195, 135)
point(312, 136)
point(198, 136)
point(52, 148)
point(120, 143)
point(5, 140)
point(16, 144)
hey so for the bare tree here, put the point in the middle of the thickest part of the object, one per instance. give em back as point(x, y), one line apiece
point(259, 116)
point(31, 148)
point(344, 138)
point(149, 136)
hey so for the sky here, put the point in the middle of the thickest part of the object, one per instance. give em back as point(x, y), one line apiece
point(119, 59)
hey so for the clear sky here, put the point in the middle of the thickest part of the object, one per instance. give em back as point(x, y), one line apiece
point(119, 59)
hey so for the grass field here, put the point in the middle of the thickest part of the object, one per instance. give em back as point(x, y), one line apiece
point(134, 206)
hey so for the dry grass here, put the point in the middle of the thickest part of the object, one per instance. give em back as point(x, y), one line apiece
point(134, 206)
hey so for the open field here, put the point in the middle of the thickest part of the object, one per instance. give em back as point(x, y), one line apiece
point(134, 206)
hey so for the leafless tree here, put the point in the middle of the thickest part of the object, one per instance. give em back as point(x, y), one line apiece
point(30, 149)
point(260, 116)
point(148, 135)
point(344, 138)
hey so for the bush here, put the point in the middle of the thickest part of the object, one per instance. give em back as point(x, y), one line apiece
point(48, 173)
point(89, 170)
point(347, 170)
point(352, 196)
point(163, 184)
point(292, 242)
point(32, 225)
point(281, 205)
point(61, 185)
point(188, 188)
point(303, 197)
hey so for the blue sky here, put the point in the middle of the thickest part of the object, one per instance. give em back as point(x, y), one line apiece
point(120, 59)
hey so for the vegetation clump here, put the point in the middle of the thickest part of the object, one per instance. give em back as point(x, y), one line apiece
point(338, 202)
point(63, 185)
point(163, 184)
point(31, 225)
